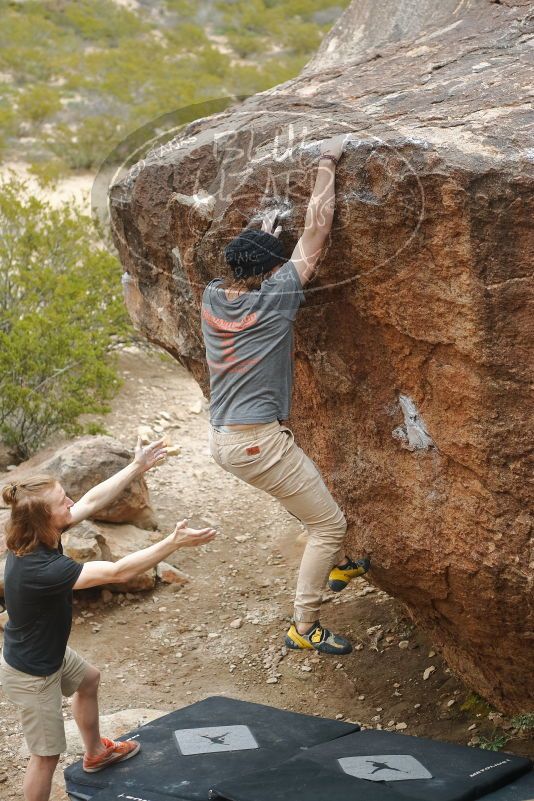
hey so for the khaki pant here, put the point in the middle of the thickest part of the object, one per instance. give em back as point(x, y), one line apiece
point(39, 701)
point(267, 457)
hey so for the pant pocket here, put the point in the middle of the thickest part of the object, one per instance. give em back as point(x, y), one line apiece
point(289, 436)
point(241, 454)
point(213, 448)
point(19, 687)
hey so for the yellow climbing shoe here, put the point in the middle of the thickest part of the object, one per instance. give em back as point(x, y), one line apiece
point(340, 576)
point(318, 639)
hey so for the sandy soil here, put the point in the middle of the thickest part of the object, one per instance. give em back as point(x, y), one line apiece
point(170, 647)
point(75, 189)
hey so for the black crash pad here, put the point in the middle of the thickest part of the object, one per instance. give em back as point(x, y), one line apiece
point(300, 781)
point(186, 752)
point(376, 762)
point(121, 792)
point(519, 790)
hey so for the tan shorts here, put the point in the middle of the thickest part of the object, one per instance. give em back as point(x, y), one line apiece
point(39, 700)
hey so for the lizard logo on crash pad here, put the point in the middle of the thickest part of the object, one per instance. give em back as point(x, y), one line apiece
point(214, 739)
point(384, 767)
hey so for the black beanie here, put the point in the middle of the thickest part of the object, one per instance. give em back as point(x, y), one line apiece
point(254, 252)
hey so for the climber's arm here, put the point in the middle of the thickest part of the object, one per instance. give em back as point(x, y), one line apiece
point(320, 212)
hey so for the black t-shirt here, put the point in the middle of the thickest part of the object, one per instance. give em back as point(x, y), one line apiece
point(38, 595)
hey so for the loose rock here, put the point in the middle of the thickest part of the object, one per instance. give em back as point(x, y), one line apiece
point(170, 574)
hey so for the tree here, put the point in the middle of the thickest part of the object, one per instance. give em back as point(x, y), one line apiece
point(61, 319)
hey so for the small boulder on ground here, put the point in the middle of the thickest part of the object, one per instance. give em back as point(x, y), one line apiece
point(120, 540)
point(84, 542)
point(170, 574)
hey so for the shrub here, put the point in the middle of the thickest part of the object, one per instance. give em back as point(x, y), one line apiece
point(302, 37)
point(61, 317)
point(186, 35)
point(246, 44)
point(96, 20)
point(48, 172)
point(7, 124)
point(89, 143)
point(38, 102)
point(493, 743)
point(475, 705)
point(524, 722)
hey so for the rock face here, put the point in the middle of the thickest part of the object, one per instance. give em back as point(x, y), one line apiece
point(88, 461)
point(412, 350)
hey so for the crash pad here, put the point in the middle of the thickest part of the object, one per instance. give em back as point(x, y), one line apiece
point(372, 763)
point(185, 752)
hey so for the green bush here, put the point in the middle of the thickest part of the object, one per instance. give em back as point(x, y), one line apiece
point(524, 722)
point(95, 20)
point(124, 68)
point(493, 743)
point(38, 102)
point(302, 37)
point(61, 317)
point(7, 123)
point(89, 143)
point(27, 41)
point(186, 35)
point(246, 44)
point(475, 705)
point(49, 172)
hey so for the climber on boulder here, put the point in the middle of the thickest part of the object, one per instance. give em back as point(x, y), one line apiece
point(247, 324)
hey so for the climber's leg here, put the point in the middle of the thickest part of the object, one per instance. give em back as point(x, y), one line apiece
point(274, 463)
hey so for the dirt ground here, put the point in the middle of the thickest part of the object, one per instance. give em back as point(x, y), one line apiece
point(169, 647)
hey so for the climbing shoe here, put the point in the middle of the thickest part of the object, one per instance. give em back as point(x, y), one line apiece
point(317, 639)
point(340, 576)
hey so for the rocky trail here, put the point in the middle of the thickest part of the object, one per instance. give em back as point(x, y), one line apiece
point(222, 632)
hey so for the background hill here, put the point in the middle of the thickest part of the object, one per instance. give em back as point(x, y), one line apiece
point(77, 77)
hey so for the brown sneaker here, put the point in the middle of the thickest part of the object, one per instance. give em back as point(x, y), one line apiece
point(115, 752)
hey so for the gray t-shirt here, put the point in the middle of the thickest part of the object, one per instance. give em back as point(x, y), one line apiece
point(249, 348)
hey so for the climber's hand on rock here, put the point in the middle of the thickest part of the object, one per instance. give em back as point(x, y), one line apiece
point(268, 223)
point(334, 146)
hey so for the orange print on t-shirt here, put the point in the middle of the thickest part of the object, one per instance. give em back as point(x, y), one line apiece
point(225, 330)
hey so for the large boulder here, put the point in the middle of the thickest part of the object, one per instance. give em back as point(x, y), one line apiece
point(412, 351)
point(87, 461)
